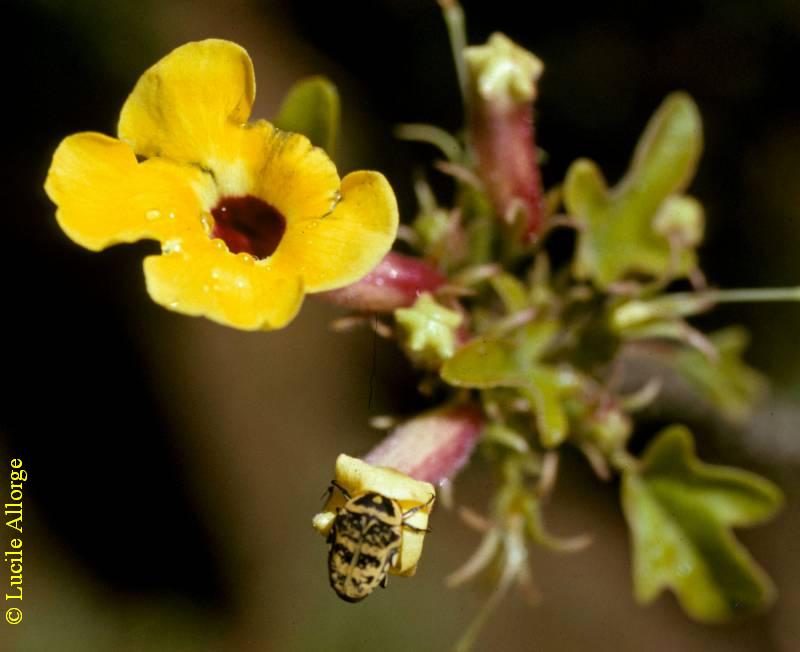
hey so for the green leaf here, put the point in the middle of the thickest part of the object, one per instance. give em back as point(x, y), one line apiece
point(488, 363)
point(480, 224)
point(512, 292)
point(311, 108)
point(618, 235)
point(728, 383)
point(485, 363)
point(661, 309)
point(533, 340)
point(680, 512)
point(544, 392)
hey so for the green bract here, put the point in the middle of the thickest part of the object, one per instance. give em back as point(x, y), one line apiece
point(680, 512)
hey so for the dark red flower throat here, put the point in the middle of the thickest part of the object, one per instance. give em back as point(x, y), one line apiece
point(248, 225)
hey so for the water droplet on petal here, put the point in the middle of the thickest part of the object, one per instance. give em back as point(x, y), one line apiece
point(152, 214)
point(171, 215)
point(247, 259)
point(241, 282)
point(173, 305)
point(171, 247)
point(219, 244)
point(216, 273)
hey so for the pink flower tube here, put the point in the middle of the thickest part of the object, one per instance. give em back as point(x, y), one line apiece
point(396, 282)
point(502, 90)
point(432, 447)
point(503, 137)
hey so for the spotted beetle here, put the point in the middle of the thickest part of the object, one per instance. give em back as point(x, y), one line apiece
point(365, 542)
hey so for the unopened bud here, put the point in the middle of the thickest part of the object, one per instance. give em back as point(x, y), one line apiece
point(680, 219)
point(503, 87)
point(396, 282)
point(431, 447)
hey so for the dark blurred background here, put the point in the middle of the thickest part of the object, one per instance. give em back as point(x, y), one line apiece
point(174, 464)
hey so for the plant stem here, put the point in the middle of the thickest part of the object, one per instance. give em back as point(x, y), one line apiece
point(440, 138)
point(456, 30)
point(744, 295)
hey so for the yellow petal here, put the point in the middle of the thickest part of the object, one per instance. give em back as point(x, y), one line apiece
point(104, 196)
point(338, 249)
point(295, 177)
point(200, 277)
point(283, 169)
point(183, 107)
point(357, 477)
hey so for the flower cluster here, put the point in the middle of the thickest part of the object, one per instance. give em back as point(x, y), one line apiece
point(539, 357)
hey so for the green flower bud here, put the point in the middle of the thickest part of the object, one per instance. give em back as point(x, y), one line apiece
point(681, 219)
point(428, 331)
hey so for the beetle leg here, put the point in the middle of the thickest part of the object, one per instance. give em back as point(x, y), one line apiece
point(392, 564)
point(329, 491)
point(344, 491)
point(414, 510)
point(416, 529)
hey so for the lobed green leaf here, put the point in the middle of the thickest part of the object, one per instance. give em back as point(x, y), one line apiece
point(618, 237)
point(680, 512)
point(485, 363)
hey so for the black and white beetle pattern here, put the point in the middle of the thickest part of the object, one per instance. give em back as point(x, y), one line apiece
point(365, 542)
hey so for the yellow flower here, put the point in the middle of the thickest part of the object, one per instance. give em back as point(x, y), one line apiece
point(249, 217)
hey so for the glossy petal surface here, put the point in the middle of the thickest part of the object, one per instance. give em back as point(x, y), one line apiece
point(202, 278)
point(337, 249)
point(184, 106)
point(105, 196)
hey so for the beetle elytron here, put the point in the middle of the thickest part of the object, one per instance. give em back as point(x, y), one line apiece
point(365, 542)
